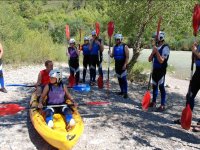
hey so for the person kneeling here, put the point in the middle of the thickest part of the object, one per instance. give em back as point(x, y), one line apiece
point(56, 94)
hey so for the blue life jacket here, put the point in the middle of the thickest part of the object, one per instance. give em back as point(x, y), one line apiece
point(119, 52)
point(95, 49)
point(197, 62)
point(85, 48)
point(156, 63)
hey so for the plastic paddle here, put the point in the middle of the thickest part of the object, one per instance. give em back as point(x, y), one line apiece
point(67, 32)
point(147, 96)
point(100, 78)
point(79, 87)
point(110, 33)
point(186, 117)
point(12, 109)
point(97, 27)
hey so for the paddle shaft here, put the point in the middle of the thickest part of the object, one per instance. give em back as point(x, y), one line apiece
point(28, 85)
point(109, 60)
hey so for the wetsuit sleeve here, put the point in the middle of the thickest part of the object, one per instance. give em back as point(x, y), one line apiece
point(165, 52)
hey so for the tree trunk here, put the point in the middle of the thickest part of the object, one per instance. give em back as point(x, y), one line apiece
point(137, 43)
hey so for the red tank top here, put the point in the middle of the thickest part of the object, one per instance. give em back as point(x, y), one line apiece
point(45, 77)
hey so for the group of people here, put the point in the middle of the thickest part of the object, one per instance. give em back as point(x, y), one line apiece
point(50, 80)
point(92, 58)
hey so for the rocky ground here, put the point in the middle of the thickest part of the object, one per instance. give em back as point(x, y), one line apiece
point(119, 125)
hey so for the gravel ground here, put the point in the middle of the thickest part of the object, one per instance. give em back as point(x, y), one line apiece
point(120, 125)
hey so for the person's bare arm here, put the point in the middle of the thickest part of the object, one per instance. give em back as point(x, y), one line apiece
point(39, 80)
point(152, 54)
point(195, 52)
point(127, 57)
point(43, 96)
point(101, 47)
point(77, 52)
point(1, 50)
point(112, 53)
point(68, 94)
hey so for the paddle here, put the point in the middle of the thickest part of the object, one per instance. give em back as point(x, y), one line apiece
point(147, 97)
point(12, 109)
point(110, 33)
point(80, 87)
point(97, 27)
point(67, 32)
point(186, 117)
point(100, 78)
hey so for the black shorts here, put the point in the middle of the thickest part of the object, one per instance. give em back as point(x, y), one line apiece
point(118, 66)
point(74, 63)
point(157, 74)
point(86, 61)
point(94, 60)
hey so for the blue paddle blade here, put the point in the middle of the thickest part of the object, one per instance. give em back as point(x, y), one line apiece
point(82, 87)
point(23, 85)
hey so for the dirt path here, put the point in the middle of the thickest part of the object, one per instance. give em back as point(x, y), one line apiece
point(121, 125)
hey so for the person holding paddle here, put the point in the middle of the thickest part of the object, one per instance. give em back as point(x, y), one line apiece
point(194, 84)
point(43, 77)
point(96, 47)
point(1, 71)
point(56, 93)
point(159, 56)
point(73, 54)
point(86, 56)
point(120, 53)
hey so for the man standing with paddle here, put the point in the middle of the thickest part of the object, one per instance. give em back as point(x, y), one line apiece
point(1, 71)
point(159, 56)
point(121, 55)
point(96, 47)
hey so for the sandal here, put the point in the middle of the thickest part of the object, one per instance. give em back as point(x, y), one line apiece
point(196, 129)
point(177, 121)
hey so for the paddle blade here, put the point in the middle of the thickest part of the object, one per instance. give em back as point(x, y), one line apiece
point(97, 26)
point(82, 87)
point(100, 82)
point(10, 109)
point(196, 19)
point(97, 103)
point(67, 32)
point(71, 80)
point(158, 27)
point(23, 85)
point(186, 118)
point(110, 28)
point(146, 100)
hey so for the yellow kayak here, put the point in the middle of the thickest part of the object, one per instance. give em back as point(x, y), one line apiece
point(57, 136)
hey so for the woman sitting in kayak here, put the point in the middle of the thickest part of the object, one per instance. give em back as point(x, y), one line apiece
point(56, 94)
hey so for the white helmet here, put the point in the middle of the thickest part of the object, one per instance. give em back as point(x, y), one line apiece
point(118, 36)
point(161, 35)
point(86, 38)
point(94, 32)
point(72, 41)
point(55, 73)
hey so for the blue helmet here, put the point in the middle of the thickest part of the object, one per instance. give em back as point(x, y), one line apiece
point(94, 32)
point(118, 36)
point(86, 38)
